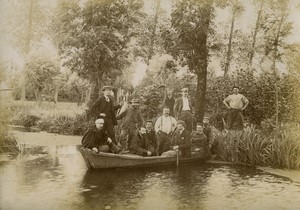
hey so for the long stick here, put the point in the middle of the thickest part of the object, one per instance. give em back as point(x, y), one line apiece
point(177, 158)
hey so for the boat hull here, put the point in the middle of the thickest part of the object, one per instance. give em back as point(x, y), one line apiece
point(102, 160)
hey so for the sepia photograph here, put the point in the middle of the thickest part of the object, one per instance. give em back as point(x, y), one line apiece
point(149, 104)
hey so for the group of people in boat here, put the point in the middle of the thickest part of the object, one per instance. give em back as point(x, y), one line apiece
point(168, 135)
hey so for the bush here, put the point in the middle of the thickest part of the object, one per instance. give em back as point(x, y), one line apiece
point(7, 142)
point(280, 149)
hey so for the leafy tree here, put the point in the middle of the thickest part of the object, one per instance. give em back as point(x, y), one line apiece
point(191, 20)
point(94, 38)
point(40, 69)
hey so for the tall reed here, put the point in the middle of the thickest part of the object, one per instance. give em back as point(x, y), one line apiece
point(279, 149)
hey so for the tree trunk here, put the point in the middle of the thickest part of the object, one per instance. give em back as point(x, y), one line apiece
point(26, 49)
point(202, 68)
point(274, 69)
point(55, 94)
point(254, 36)
point(228, 54)
point(152, 39)
point(88, 93)
point(38, 96)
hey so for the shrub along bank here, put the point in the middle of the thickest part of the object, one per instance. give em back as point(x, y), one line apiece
point(64, 118)
point(7, 142)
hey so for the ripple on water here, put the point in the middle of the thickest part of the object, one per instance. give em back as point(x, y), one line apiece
point(60, 175)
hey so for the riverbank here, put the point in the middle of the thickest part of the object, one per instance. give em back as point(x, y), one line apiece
point(294, 175)
point(45, 139)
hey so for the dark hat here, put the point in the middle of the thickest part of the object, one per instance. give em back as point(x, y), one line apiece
point(135, 102)
point(181, 122)
point(106, 87)
point(235, 86)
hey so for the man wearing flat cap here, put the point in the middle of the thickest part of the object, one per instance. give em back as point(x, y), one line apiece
point(104, 107)
point(183, 109)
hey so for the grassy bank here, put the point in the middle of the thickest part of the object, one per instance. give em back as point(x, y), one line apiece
point(7, 142)
point(278, 149)
point(61, 118)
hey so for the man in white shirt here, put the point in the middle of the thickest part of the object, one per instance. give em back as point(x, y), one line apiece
point(236, 103)
point(183, 109)
point(164, 127)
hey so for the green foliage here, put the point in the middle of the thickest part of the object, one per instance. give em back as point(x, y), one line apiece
point(279, 149)
point(94, 38)
point(64, 124)
point(260, 92)
point(41, 68)
point(7, 142)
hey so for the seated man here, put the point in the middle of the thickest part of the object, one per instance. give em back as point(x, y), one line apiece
point(151, 136)
point(96, 139)
point(140, 144)
point(181, 141)
point(199, 140)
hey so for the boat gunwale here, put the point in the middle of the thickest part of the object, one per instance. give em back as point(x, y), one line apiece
point(133, 156)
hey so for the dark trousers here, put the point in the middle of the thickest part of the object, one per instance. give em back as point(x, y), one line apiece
point(187, 117)
point(109, 127)
point(126, 135)
point(235, 116)
point(164, 142)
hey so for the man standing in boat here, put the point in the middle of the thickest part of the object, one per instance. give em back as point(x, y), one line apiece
point(97, 139)
point(132, 120)
point(140, 144)
point(169, 102)
point(183, 109)
point(164, 127)
point(236, 103)
point(104, 107)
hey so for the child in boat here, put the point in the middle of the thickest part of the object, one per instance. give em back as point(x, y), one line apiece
point(96, 139)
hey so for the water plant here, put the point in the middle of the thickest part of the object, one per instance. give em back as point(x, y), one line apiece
point(279, 149)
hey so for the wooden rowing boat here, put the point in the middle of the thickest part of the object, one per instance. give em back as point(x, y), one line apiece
point(103, 160)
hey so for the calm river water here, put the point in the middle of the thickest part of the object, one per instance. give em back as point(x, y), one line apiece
point(55, 177)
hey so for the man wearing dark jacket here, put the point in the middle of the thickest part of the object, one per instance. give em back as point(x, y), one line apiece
point(169, 102)
point(140, 144)
point(181, 141)
point(104, 107)
point(131, 121)
point(96, 139)
point(183, 109)
point(151, 136)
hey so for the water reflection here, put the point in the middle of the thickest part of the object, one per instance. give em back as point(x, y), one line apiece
point(56, 177)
